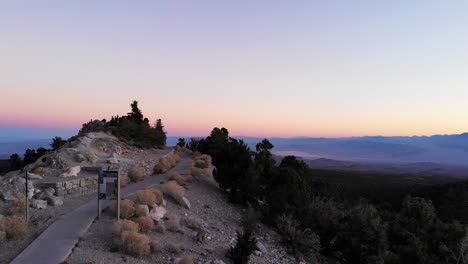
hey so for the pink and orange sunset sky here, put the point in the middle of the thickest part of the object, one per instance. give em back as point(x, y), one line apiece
point(260, 68)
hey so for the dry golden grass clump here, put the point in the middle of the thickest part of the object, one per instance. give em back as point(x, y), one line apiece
point(17, 207)
point(202, 161)
point(133, 243)
point(146, 196)
point(41, 170)
point(198, 172)
point(166, 162)
point(141, 211)
point(127, 208)
point(146, 223)
point(158, 194)
point(183, 150)
point(14, 226)
point(123, 181)
point(124, 225)
point(176, 158)
point(136, 173)
point(174, 190)
point(181, 180)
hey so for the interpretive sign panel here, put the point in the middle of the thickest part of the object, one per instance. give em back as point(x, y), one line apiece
point(109, 189)
point(108, 185)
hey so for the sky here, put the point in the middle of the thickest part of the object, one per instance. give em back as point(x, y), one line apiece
point(259, 68)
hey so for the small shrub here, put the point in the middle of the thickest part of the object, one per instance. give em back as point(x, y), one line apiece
point(206, 158)
point(200, 164)
point(159, 168)
point(186, 260)
point(146, 196)
point(134, 244)
point(136, 173)
point(179, 179)
point(176, 158)
point(15, 226)
point(123, 181)
point(174, 190)
point(303, 243)
point(124, 225)
point(240, 253)
point(127, 208)
point(198, 172)
point(141, 210)
point(158, 194)
point(146, 223)
point(41, 170)
point(17, 207)
point(173, 225)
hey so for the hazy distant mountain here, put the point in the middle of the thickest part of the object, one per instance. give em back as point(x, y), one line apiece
point(443, 149)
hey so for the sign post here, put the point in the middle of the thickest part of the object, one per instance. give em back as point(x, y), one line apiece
point(27, 196)
point(109, 189)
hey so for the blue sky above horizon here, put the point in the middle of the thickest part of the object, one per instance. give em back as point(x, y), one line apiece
point(260, 68)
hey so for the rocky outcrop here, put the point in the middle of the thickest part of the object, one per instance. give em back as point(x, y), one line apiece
point(16, 189)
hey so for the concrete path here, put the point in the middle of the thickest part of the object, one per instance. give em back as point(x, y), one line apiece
point(57, 242)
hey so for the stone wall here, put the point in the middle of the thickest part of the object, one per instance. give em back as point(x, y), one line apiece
point(73, 187)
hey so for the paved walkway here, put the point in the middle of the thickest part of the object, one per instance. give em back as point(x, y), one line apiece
point(57, 242)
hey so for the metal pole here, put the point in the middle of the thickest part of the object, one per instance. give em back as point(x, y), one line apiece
point(118, 194)
point(27, 196)
point(98, 193)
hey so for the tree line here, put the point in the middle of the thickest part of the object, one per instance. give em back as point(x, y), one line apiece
point(313, 217)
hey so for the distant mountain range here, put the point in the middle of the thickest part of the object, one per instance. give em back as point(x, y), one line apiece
point(439, 149)
point(442, 149)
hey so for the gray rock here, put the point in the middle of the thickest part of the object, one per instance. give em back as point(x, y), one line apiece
point(261, 247)
point(218, 261)
point(112, 161)
point(39, 204)
point(157, 213)
point(55, 200)
point(16, 189)
point(185, 202)
point(258, 253)
point(34, 176)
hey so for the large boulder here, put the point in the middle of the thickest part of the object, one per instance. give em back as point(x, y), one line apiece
point(71, 172)
point(55, 200)
point(157, 213)
point(39, 204)
point(34, 176)
point(16, 189)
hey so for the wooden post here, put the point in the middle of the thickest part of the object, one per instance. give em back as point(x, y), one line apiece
point(27, 196)
point(98, 193)
point(118, 195)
